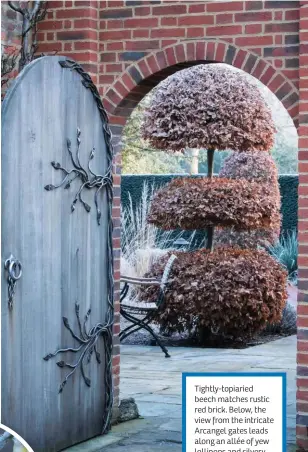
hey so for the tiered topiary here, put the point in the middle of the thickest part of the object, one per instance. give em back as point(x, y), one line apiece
point(228, 290)
point(188, 203)
point(253, 166)
point(232, 291)
point(258, 167)
point(210, 107)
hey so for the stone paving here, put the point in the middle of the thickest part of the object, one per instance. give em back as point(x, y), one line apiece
point(155, 383)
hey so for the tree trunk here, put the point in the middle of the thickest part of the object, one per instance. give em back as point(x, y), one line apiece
point(210, 163)
point(194, 165)
point(26, 44)
point(193, 161)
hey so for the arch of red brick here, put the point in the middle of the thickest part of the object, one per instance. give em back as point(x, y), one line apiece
point(140, 77)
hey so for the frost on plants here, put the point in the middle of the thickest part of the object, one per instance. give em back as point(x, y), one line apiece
point(258, 167)
point(208, 106)
point(231, 291)
point(188, 203)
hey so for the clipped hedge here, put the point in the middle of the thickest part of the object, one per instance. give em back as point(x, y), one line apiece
point(289, 202)
point(288, 185)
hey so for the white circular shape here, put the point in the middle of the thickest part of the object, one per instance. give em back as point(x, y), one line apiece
point(18, 438)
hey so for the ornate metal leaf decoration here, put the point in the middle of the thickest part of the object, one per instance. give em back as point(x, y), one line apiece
point(87, 340)
point(88, 179)
point(49, 187)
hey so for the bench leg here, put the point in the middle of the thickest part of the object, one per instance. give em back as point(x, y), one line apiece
point(129, 330)
point(133, 328)
point(164, 349)
point(142, 324)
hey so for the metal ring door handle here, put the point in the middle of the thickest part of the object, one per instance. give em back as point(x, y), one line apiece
point(14, 269)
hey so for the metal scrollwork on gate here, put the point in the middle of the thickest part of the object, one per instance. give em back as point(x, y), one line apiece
point(87, 340)
point(87, 346)
point(87, 177)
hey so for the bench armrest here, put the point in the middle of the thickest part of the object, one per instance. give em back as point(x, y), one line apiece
point(127, 280)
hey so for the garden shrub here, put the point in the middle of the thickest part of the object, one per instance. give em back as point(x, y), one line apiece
point(253, 166)
point(258, 167)
point(252, 239)
point(211, 107)
point(133, 184)
point(230, 291)
point(288, 323)
point(197, 203)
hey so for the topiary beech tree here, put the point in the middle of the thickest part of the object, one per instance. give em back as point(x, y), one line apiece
point(211, 107)
point(230, 290)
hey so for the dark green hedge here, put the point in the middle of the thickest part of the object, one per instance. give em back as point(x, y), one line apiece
point(288, 189)
point(289, 201)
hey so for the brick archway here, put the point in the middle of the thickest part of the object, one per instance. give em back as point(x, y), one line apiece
point(140, 77)
point(131, 86)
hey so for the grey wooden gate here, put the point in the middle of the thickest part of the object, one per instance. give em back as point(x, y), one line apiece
point(54, 128)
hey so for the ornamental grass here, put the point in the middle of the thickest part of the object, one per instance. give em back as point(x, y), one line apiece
point(208, 106)
point(229, 291)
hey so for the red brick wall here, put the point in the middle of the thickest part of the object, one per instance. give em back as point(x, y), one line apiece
point(10, 25)
point(10, 40)
point(129, 46)
point(302, 343)
point(129, 33)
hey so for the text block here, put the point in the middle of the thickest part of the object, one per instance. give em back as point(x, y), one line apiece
point(234, 412)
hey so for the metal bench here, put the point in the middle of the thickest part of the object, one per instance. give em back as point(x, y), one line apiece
point(146, 314)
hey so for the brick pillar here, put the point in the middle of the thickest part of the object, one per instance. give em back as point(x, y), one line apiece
point(116, 215)
point(302, 321)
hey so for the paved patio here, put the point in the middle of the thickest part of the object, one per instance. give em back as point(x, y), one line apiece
point(155, 383)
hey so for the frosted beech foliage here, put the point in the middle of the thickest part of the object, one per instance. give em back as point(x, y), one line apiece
point(231, 291)
point(259, 167)
point(253, 166)
point(208, 106)
point(188, 203)
point(246, 239)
